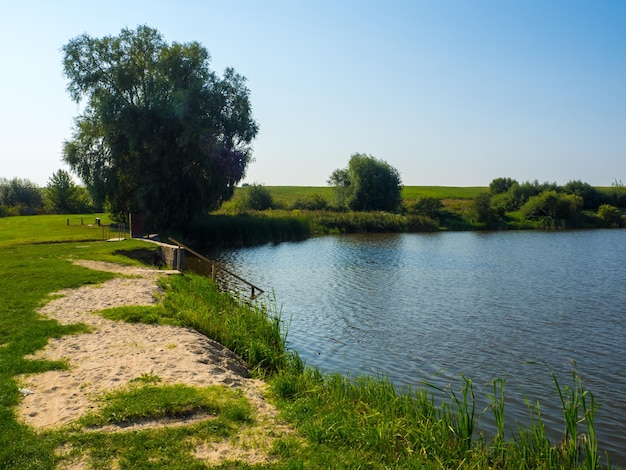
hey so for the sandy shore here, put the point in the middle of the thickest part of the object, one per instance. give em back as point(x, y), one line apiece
point(116, 352)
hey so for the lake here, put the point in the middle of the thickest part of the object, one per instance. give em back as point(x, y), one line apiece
point(429, 307)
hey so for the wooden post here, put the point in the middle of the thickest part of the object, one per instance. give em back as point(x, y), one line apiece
point(180, 259)
point(213, 272)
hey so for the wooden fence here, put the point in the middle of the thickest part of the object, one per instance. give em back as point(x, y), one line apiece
point(227, 280)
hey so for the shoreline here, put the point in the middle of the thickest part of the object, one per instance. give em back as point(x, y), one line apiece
point(113, 353)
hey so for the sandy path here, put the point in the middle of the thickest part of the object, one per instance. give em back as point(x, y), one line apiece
point(116, 352)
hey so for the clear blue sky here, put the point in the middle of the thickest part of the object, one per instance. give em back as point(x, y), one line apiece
point(451, 93)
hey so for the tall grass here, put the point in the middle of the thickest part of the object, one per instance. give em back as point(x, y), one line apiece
point(219, 230)
point(254, 330)
point(368, 421)
point(246, 229)
point(373, 423)
point(410, 193)
point(574, 401)
point(357, 222)
point(465, 416)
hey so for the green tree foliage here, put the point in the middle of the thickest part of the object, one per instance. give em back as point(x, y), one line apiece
point(428, 206)
point(592, 198)
point(367, 184)
point(340, 181)
point(615, 195)
point(507, 195)
point(553, 209)
point(64, 196)
point(160, 133)
point(483, 209)
point(20, 197)
point(509, 201)
point(256, 198)
point(610, 215)
point(501, 185)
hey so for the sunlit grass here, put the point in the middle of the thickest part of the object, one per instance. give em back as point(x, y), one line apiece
point(147, 314)
point(51, 228)
point(252, 330)
point(138, 403)
point(410, 193)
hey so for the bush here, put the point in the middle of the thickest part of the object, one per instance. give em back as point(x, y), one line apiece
point(256, 198)
point(428, 206)
point(610, 215)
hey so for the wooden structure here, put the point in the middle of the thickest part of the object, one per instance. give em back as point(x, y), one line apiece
point(216, 270)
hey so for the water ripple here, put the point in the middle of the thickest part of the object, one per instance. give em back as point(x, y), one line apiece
point(431, 307)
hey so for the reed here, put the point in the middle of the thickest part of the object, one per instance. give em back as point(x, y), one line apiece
point(574, 401)
point(246, 229)
point(465, 417)
point(497, 406)
point(324, 222)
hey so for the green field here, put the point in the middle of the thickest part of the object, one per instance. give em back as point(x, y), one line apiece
point(410, 193)
point(288, 195)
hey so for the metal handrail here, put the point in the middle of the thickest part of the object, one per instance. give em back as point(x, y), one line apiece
point(214, 267)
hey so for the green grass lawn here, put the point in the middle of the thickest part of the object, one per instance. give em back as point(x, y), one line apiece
point(51, 228)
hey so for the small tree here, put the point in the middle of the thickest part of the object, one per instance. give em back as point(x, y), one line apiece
point(64, 196)
point(367, 184)
point(61, 192)
point(501, 185)
point(315, 202)
point(482, 208)
point(340, 181)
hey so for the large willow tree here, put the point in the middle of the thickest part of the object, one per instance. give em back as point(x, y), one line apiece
point(160, 133)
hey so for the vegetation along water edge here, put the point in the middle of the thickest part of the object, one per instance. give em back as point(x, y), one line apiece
point(271, 214)
point(337, 421)
point(260, 214)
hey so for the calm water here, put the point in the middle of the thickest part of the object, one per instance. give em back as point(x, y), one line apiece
point(430, 307)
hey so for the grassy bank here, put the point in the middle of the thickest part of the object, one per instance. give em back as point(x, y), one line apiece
point(339, 422)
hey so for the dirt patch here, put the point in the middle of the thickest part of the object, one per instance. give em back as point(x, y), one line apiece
point(114, 353)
